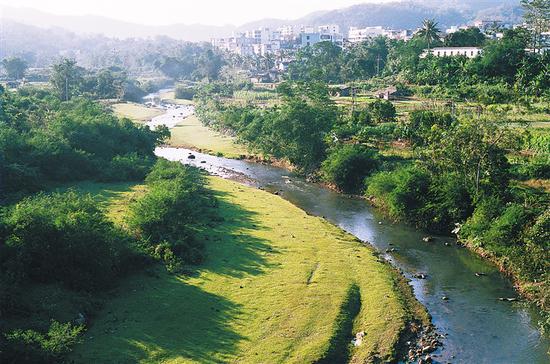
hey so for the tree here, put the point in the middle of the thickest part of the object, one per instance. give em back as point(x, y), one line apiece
point(383, 111)
point(471, 37)
point(66, 78)
point(502, 58)
point(474, 151)
point(429, 32)
point(348, 166)
point(15, 67)
point(537, 17)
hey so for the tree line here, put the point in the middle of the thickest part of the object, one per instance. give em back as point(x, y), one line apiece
point(459, 170)
point(61, 243)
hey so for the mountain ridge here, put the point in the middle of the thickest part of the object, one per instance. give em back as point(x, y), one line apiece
point(400, 14)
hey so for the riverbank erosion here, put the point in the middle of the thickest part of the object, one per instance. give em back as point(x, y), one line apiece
point(277, 285)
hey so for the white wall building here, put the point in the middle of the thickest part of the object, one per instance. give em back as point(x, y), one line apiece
point(358, 35)
point(329, 29)
point(470, 52)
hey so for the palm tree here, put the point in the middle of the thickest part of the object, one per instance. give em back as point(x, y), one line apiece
point(429, 32)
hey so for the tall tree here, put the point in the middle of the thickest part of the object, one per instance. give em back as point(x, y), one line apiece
point(429, 32)
point(537, 17)
point(15, 67)
point(66, 78)
point(471, 37)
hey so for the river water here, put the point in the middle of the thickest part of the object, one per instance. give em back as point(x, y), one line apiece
point(478, 327)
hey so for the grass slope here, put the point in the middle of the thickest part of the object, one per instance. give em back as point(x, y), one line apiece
point(277, 286)
point(170, 98)
point(136, 112)
point(190, 133)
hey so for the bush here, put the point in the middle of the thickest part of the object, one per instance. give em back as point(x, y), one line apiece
point(380, 133)
point(402, 192)
point(348, 166)
point(506, 229)
point(413, 195)
point(80, 140)
point(421, 122)
point(29, 346)
point(62, 238)
point(184, 92)
point(383, 111)
point(128, 167)
point(166, 218)
point(450, 203)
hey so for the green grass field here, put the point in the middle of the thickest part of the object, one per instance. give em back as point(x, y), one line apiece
point(277, 286)
point(137, 112)
point(170, 97)
point(190, 133)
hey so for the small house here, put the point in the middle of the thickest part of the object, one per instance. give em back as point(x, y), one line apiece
point(340, 91)
point(387, 93)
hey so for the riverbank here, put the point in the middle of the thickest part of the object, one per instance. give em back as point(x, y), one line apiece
point(189, 132)
point(536, 292)
point(137, 112)
point(281, 287)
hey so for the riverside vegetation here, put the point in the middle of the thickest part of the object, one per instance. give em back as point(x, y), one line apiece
point(439, 167)
point(94, 229)
point(468, 164)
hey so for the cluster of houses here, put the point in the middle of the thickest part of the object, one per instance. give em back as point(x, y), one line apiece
point(263, 41)
point(284, 41)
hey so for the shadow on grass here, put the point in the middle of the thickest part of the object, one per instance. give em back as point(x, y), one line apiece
point(182, 322)
point(230, 249)
point(164, 318)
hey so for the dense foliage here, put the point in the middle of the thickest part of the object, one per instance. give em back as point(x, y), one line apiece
point(294, 130)
point(504, 63)
point(63, 244)
point(347, 166)
point(43, 140)
point(166, 217)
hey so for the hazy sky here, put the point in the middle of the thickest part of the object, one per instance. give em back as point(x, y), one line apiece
point(214, 12)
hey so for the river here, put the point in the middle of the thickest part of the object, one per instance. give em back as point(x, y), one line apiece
point(478, 327)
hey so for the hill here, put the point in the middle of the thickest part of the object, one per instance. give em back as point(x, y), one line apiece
point(399, 14)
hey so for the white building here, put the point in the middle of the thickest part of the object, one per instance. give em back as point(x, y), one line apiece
point(238, 44)
point(309, 39)
point(358, 35)
point(329, 29)
point(287, 32)
point(469, 52)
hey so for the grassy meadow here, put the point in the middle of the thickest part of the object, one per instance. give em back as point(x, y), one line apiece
point(136, 112)
point(277, 286)
point(190, 133)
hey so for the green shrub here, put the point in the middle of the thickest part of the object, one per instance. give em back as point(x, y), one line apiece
point(167, 217)
point(30, 346)
point(449, 203)
point(484, 213)
point(380, 133)
point(411, 194)
point(538, 142)
point(535, 167)
point(383, 111)
point(506, 229)
point(62, 238)
point(185, 92)
point(128, 167)
point(402, 192)
point(420, 123)
point(348, 166)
